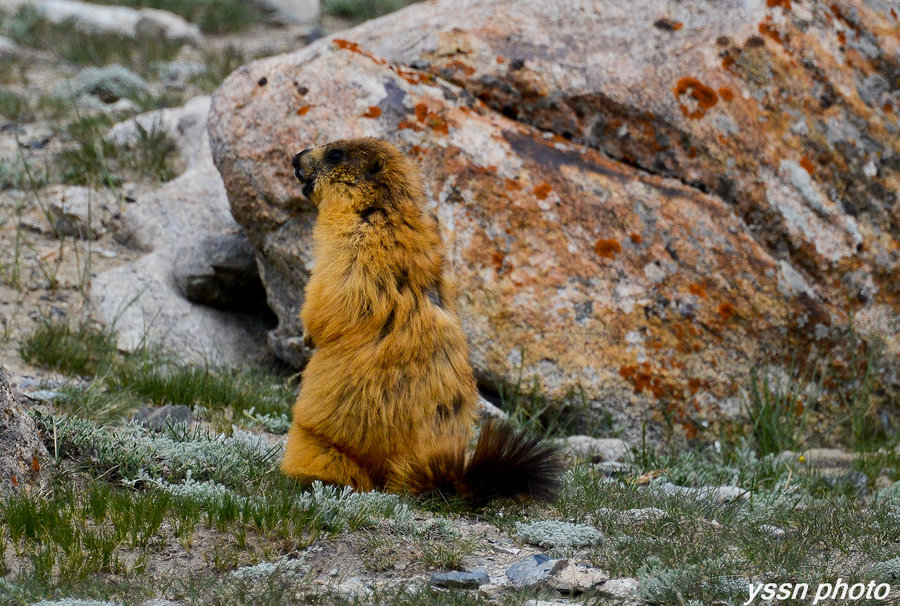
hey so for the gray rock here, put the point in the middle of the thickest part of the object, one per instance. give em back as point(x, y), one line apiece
point(597, 449)
point(21, 450)
point(161, 417)
point(79, 212)
point(291, 11)
point(221, 273)
point(887, 571)
point(140, 299)
point(467, 579)
point(556, 534)
point(8, 48)
point(160, 602)
point(155, 23)
point(486, 410)
point(562, 575)
point(718, 494)
point(773, 531)
point(530, 570)
point(121, 20)
point(46, 395)
point(827, 457)
point(109, 84)
point(621, 589)
point(569, 577)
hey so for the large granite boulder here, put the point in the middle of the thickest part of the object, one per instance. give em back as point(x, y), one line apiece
point(640, 203)
point(21, 451)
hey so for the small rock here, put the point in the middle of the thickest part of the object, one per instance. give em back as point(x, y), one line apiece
point(158, 419)
point(467, 579)
point(8, 47)
point(291, 12)
point(109, 84)
point(530, 570)
point(887, 571)
point(773, 531)
point(160, 602)
point(828, 457)
point(719, 494)
point(727, 494)
point(569, 577)
point(597, 449)
point(622, 588)
point(120, 20)
point(78, 212)
point(543, 603)
point(486, 410)
point(354, 589)
point(556, 534)
point(155, 23)
point(47, 395)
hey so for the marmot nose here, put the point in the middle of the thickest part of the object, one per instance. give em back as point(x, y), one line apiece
point(296, 161)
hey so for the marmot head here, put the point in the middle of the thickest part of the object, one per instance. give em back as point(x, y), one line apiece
point(358, 172)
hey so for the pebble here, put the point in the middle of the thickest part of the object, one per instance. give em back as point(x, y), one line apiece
point(466, 579)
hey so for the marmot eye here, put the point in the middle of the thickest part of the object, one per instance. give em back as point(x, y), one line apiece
point(335, 155)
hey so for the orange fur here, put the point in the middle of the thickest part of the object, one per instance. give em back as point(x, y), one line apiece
point(389, 386)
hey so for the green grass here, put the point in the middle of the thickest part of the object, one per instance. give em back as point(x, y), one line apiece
point(28, 28)
point(81, 350)
point(124, 382)
point(91, 159)
point(211, 16)
point(776, 409)
point(361, 10)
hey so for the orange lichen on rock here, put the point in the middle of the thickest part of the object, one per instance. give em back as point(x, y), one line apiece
point(785, 4)
point(373, 112)
point(642, 379)
point(842, 37)
point(635, 237)
point(438, 124)
point(766, 29)
point(355, 48)
point(421, 111)
point(726, 310)
point(497, 261)
point(403, 124)
point(704, 96)
point(607, 248)
point(807, 165)
point(726, 93)
point(542, 191)
point(457, 65)
point(697, 290)
point(512, 184)
point(303, 110)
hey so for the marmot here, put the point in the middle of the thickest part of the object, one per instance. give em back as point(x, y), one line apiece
point(388, 399)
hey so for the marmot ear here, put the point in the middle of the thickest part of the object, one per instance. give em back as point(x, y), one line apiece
point(375, 167)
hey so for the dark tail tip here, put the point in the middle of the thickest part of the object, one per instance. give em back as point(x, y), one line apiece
point(510, 462)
